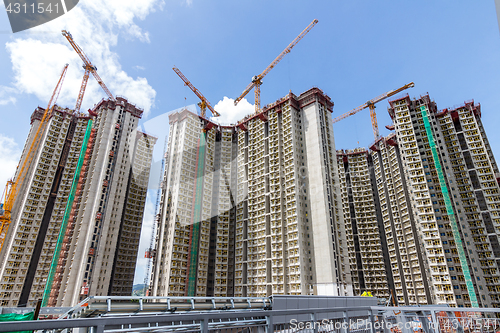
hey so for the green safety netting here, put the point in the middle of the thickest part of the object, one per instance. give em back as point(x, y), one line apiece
point(69, 204)
point(449, 210)
point(17, 317)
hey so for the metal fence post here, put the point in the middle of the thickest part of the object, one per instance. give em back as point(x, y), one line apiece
point(270, 324)
point(204, 325)
point(435, 322)
point(346, 321)
point(372, 319)
point(313, 322)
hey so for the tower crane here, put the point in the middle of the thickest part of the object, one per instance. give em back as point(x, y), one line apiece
point(371, 105)
point(89, 68)
point(204, 104)
point(13, 186)
point(257, 79)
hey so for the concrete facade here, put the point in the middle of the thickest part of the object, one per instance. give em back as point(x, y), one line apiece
point(365, 234)
point(262, 233)
point(404, 251)
point(471, 179)
point(81, 210)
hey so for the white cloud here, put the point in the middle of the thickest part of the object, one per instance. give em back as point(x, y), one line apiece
point(189, 2)
point(9, 158)
point(39, 57)
point(230, 114)
point(38, 60)
point(6, 95)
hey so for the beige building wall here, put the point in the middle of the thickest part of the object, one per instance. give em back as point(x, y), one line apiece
point(364, 233)
point(469, 170)
point(29, 245)
point(408, 269)
point(265, 232)
point(86, 231)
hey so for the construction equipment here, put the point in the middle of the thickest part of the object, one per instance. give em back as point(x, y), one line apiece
point(204, 104)
point(257, 79)
point(371, 104)
point(11, 194)
point(89, 68)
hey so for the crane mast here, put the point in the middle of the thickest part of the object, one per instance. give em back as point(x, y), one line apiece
point(89, 68)
point(204, 104)
point(11, 194)
point(257, 80)
point(371, 105)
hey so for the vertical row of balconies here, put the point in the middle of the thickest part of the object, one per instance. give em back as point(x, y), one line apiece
point(419, 171)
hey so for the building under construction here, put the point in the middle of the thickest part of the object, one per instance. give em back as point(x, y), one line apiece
point(433, 191)
point(253, 209)
point(365, 234)
point(269, 207)
point(77, 218)
point(452, 178)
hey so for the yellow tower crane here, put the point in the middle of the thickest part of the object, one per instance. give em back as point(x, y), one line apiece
point(371, 105)
point(257, 79)
point(13, 186)
point(89, 68)
point(204, 104)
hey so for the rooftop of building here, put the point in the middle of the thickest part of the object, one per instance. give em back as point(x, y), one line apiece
point(304, 99)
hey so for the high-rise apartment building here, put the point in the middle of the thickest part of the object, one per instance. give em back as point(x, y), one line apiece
point(253, 209)
point(403, 249)
point(76, 222)
point(421, 208)
point(366, 240)
point(452, 178)
point(268, 206)
point(436, 198)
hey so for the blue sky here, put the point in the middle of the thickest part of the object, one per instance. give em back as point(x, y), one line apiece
point(358, 50)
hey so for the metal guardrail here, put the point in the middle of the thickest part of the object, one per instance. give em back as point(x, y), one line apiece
point(229, 321)
point(108, 305)
point(353, 319)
